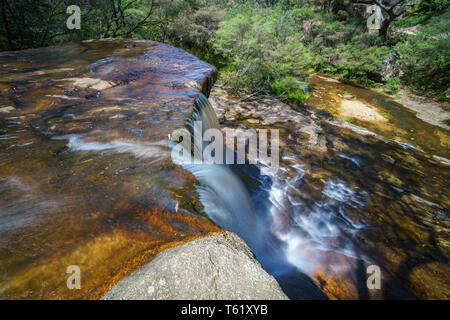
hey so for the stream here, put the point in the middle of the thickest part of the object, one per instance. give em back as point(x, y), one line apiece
point(86, 177)
point(357, 196)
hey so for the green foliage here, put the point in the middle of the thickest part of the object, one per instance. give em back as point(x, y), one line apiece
point(432, 6)
point(425, 57)
point(350, 54)
point(264, 51)
point(443, 96)
point(290, 89)
point(267, 46)
point(422, 11)
point(34, 23)
point(392, 85)
point(194, 31)
point(303, 14)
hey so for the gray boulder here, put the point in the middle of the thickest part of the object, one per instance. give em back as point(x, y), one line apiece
point(389, 69)
point(215, 267)
point(390, 65)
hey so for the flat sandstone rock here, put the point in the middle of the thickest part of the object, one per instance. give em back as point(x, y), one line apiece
point(83, 140)
point(359, 110)
point(215, 267)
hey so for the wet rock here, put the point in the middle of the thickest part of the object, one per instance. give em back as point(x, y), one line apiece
point(391, 69)
point(215, 267)
point(426, 109)
point(96, 84)
point(354, 128)
point(61, 96)
point(442, 160)
point(345, 96)
point(387, 158)
point(271, 111)
point(90, 128)
point(6, 109)
point(359, 110)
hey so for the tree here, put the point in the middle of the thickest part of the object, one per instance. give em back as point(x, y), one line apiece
point(123, 17)
point(35, 23)
point(391, 9)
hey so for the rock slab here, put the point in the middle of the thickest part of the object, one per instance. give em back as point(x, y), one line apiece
point(215, 267)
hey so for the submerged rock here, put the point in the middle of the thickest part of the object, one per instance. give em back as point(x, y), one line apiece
point(215, 267)
point(358, 109)
point(6, 109)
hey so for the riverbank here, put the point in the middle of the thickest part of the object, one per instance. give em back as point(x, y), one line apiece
point(383, 114)
point(426, 108)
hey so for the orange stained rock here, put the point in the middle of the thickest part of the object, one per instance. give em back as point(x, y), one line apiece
point(85, 172)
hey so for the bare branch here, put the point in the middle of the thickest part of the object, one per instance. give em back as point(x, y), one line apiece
point(138, 25)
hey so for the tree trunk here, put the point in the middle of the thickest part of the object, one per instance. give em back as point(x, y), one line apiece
point(384, 26)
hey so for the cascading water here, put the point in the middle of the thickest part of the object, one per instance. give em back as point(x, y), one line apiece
point(223, 195)
point(259, 205)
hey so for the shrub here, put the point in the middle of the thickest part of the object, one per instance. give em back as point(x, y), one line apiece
point(290, 89)
point(425, 57)
point(263, 49)
point(392, 85)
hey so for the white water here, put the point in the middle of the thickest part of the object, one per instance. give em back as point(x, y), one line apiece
point(150, 150)
point(266, 210)
point(284, 231)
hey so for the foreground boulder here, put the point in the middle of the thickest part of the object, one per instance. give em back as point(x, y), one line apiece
point(215, 267)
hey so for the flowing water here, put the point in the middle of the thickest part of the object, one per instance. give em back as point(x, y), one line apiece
point(85, 172)
point(86, 179)
point(318, 222)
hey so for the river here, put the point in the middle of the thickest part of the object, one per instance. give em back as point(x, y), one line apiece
point(348, 194)
point(86, 177)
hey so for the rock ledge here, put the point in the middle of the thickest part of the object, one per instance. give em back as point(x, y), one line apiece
point(215, 267)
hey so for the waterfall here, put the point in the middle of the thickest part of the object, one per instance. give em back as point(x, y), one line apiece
point(255, 203)
point(223, 195)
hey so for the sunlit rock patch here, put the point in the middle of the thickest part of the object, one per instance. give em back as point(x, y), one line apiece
point(357, 109)
point(96, 84)
point(380, 114)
